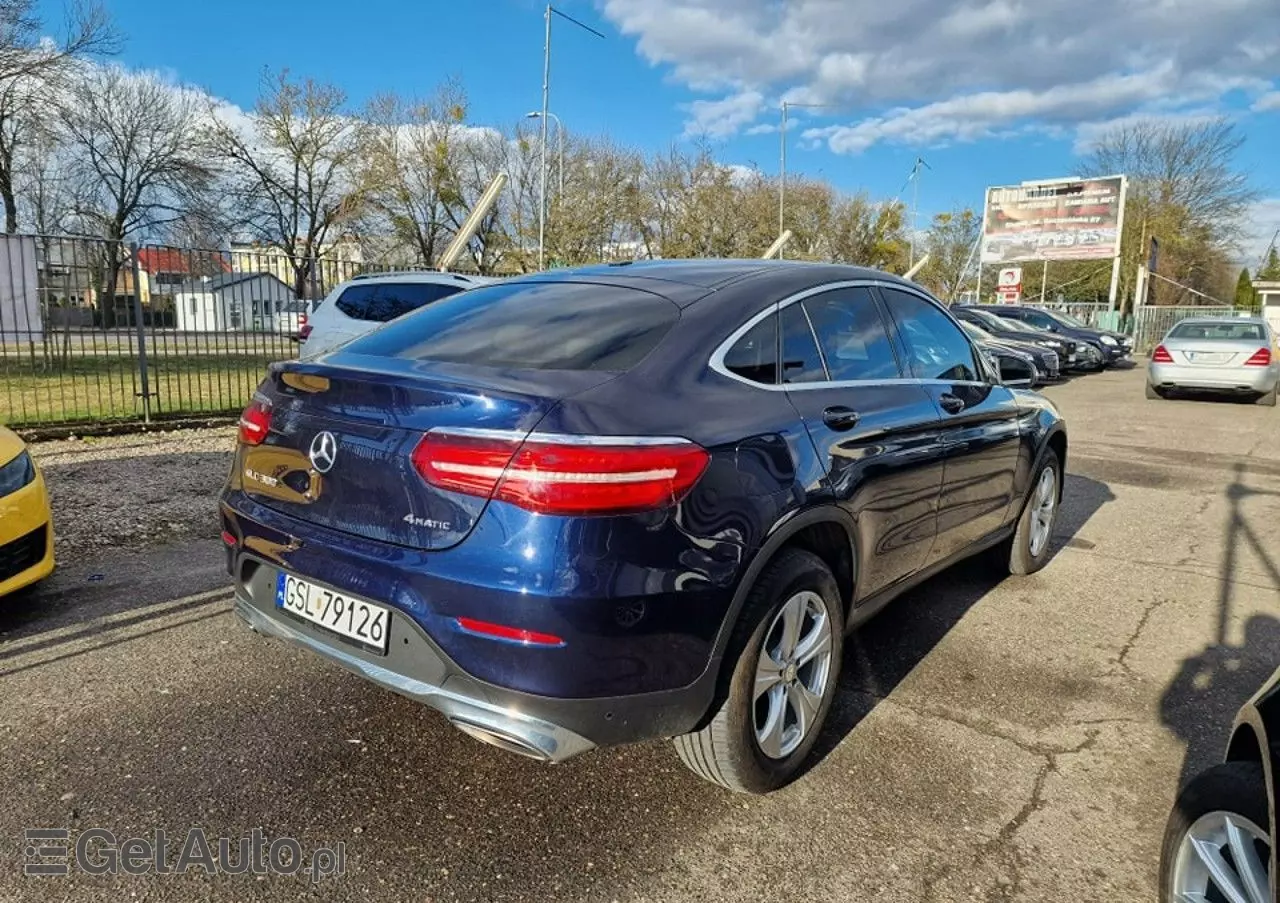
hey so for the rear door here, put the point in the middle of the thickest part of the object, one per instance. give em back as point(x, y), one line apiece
point(980, 421)
point(877, 431)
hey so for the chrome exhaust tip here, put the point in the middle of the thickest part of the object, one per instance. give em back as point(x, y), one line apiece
point(503, 740)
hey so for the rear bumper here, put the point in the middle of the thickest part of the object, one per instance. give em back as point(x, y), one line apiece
point(1216, 379)
point(633, 666)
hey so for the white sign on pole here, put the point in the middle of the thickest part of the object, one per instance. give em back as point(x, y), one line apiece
point(1010, 279)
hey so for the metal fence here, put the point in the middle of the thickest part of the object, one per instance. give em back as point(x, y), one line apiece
point(1151, 322)
point(94, 331)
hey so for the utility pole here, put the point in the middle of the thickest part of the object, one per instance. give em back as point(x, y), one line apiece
point(546, 99)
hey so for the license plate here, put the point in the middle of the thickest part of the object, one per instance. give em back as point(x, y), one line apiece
point(348, 616)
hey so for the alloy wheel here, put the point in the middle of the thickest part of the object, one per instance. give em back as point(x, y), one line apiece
point(1223, 857)
point(792, 675)
point(1043, 506)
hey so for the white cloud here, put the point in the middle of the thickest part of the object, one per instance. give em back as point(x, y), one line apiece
point(1268, 101)
point(931, 71)
point(721, 118)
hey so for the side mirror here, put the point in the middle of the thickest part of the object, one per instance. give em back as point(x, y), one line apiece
point(1016, 374)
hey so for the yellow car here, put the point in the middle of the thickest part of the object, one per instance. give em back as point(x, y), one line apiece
point(26, 524)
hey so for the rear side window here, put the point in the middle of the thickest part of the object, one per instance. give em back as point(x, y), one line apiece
point(801, 362)
point(937, 347)
point(384, 301)
point(532, 325)
point(755, 355)
point(852, 333)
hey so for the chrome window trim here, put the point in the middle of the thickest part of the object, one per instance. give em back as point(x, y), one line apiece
point(716, 361)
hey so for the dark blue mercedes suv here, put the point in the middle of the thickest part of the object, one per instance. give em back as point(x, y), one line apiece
point(624, 502)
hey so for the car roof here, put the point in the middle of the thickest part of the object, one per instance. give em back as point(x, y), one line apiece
point(432, 276)
point(1256, 321)
point(685, 281)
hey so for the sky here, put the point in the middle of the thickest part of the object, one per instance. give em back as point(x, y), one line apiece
point(987, 92)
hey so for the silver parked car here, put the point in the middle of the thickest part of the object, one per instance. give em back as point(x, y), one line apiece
point(1223, 354)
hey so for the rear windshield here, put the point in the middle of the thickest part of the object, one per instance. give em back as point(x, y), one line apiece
point(1225, 331)
point(534, 325)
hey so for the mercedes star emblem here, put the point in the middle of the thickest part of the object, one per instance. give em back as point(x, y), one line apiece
point(324, 451)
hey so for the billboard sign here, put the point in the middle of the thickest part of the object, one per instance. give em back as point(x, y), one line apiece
point(1063, 219)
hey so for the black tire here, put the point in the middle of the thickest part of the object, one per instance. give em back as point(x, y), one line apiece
point(1268, 399)
point(1017, 550)
point(1238, 787)
point(1153, 392)
point(726, 751)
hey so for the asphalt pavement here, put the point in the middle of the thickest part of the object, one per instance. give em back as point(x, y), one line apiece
point(1016, 739)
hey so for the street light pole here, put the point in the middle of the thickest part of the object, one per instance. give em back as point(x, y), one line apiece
point(782, 164)
point(782, 174)
point(542, 190)
point(559, 141)
point(546, 98)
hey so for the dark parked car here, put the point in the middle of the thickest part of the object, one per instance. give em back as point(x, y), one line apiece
point(1112, 347)
point(1220, 842)
point(1017, 331)
point(617, 503)
point(1042, 363)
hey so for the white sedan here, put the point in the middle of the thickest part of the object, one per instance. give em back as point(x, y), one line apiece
point(1235, 355)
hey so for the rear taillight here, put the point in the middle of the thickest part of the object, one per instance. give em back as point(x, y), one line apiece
point(255, 422)
point(562, 475)
point(1161, 355)
point(1261, 358)
point(304, 331)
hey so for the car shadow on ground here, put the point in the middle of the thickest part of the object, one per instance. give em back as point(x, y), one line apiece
point(879, 655)
point(1202, 700)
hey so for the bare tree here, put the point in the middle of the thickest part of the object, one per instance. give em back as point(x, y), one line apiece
point(135, 161)
point(293, 176)
point(1186, 189)
point(33, 70)
point(412, 168)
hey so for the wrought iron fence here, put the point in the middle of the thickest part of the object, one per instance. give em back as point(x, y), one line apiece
point(93, 331)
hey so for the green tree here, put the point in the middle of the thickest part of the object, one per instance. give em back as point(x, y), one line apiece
point(1245, 295)
point(1270, 271)
point(949, 243)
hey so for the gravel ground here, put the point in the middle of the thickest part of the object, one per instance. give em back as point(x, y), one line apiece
point(136, 490)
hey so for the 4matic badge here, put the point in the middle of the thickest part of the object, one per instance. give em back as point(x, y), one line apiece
point(415, 521)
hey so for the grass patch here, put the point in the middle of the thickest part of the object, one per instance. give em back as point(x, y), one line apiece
point(108, 387)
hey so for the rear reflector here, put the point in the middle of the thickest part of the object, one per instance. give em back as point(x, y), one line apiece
point(255, 422)
point(1161, 355)
point(562, 475)
point(1261, 358)
point(503, 632)
point(228, 539)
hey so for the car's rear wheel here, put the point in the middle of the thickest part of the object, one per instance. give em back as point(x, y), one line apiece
point(1268, 399)
point(1028, 549)
point(1153, 392)
point(1216, 845)
point(787, 645)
